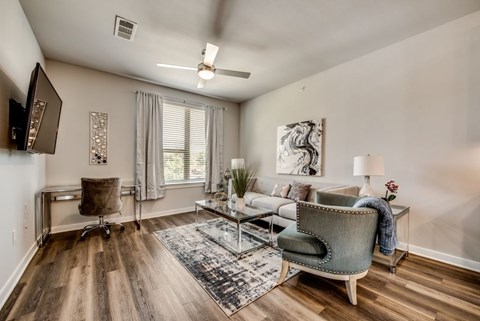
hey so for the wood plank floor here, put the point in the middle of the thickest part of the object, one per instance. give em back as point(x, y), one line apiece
point(132, 276)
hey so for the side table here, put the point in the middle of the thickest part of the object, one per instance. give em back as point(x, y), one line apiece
point(399, 212)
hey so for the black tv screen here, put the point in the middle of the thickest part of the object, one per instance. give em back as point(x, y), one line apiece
point(43, 109)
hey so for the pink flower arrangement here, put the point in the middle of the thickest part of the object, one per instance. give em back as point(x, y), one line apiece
point(392, 188)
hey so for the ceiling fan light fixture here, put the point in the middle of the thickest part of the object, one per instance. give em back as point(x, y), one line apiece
point(206, 72)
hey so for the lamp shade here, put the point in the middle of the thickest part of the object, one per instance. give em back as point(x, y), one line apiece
point(238, 163)
point(369, 165)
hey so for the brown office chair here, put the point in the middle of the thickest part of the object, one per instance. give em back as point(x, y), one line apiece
point(100, 196)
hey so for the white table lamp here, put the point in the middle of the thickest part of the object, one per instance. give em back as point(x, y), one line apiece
point(369, 165)
point(238, 163)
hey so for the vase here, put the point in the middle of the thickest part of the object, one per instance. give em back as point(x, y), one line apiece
point(240, 203)
point(220, 197)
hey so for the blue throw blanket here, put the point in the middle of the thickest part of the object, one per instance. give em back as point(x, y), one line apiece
point(386, 230)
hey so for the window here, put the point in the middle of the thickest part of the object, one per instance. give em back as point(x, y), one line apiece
point(183, 143)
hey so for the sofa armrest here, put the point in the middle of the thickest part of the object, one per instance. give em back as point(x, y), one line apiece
point(346, 190)
point(335, 199)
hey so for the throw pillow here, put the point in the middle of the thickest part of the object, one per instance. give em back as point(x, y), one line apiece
point(299, 191)
point(281, 190)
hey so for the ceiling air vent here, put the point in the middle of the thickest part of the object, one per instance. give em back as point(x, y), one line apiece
point(124, 28)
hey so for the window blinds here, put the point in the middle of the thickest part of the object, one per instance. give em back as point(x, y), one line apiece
point(183, 142)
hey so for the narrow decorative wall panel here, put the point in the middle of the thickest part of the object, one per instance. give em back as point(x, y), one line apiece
point(98, 138)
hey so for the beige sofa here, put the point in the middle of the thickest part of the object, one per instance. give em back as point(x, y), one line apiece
point(284, 208)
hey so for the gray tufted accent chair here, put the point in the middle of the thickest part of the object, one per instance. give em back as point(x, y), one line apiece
point(330, 239)
point(100, 196)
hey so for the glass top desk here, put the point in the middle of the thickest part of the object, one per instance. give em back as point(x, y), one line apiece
point(47, 195)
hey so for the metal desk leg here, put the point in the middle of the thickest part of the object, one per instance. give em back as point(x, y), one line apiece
point(140, 210)
point(135, 203)
point(39, 208)
point(43, 220)
point(137, 191)
point(408, 234)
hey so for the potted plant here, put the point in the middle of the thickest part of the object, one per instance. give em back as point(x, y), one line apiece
point(241, 178)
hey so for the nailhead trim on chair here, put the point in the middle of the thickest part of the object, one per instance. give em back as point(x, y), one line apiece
point(325, 270)
point(329, 251)
point(319, 206)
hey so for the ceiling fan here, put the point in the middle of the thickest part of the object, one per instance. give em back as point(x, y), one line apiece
point(206, 70)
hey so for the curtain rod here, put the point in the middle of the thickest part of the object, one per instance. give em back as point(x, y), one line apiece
point(181, 100)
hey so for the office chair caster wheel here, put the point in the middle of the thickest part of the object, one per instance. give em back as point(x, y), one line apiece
point(122, 228)
point(106, 229)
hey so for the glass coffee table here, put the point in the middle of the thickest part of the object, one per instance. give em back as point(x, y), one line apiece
point(228, 231)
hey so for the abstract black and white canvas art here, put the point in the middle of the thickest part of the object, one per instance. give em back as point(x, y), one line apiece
point(299, 148)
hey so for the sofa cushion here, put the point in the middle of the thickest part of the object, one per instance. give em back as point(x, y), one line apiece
point(249, 197)
point(281, 221)
point(265, 185)
point(299, 191)
point(288, 211)
point(291, 240)
point(271, 203)
point(280, 190)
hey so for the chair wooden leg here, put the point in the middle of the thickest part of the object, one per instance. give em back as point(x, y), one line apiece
point(351, 285)
point(284, 272)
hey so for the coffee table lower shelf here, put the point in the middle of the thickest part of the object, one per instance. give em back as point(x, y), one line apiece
point(227, 235)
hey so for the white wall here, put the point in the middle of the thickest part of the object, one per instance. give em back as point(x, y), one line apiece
point(417, 103)
point(22, 174)
point(83, 90)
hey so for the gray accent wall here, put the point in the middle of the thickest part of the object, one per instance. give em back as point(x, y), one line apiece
point(417, 103)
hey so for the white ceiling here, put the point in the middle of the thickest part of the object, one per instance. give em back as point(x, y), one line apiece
point(278, 41)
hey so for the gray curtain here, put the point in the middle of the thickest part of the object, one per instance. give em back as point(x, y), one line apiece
point(214, 148)
point(149, 147)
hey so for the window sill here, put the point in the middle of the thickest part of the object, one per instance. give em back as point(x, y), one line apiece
point(181, 185)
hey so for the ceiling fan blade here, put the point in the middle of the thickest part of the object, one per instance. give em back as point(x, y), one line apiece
point(233, 73)
point(176, 67)
point(220, 15)
point(201, 83)
point(210, 54)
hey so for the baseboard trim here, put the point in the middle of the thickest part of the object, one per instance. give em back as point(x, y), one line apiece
point(169, 212)
point(16, 275)
point(446, 258)
point(121, 219)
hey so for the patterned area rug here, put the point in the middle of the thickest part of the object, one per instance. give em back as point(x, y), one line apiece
point(233, 283)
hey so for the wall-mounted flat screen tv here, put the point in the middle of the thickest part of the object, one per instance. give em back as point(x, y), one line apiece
point(42, 115)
